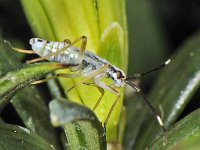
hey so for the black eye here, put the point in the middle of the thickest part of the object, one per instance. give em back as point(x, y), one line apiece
point(39, 40)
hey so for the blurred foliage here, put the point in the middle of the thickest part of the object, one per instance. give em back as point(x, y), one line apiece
point(146, 35)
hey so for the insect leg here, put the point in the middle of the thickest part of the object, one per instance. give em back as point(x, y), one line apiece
point(64, 75)
point(82, 49)
point(20, 50)
point(101, 84)
point(67, 41)
point(80, 56)
point(113, 106)
point(152, 109)
point(98, 82)
point(83, 40)
point(101, 90)
point(92, 75)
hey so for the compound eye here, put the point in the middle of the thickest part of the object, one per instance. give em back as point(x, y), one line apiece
point(119, 75)
point(39, 40)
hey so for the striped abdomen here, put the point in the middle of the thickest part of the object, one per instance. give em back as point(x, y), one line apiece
point(44, 47)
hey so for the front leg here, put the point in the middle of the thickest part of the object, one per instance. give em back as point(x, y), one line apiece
point(98, 82)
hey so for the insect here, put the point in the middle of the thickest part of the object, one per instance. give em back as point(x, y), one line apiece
point(90, 66)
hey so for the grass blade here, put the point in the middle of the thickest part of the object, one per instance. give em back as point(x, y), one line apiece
point(82, 128)
point(173, 90)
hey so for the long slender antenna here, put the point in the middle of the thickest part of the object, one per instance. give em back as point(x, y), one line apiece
point(151, 108)
point(157, 67)
point(139, 75)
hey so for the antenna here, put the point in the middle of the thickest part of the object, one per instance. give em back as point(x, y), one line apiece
point(151, 108)
point(129, 81)
point(139, 75)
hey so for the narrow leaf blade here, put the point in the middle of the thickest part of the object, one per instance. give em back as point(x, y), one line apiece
point(82, 128)
point(13, 81)
point(173, 90)
point(15, 137)
point(184, 134)
point(28, 103)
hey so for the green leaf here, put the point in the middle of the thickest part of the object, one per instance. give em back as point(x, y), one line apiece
point(84, 13)
point(134, 121)
point(72, 19)
point(62, 20)
point(112, 43)
point(15, 137)
point(116, 10)
point(184, 134)
point(173, 90)
point(82, 128)
point(35, 115)
point(55, 89)
point(61, 114)
point(27, 101)
point(13, 81)
point(147, 47)
point(44, 27)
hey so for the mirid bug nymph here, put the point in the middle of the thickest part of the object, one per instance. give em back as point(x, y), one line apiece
point(89, 66)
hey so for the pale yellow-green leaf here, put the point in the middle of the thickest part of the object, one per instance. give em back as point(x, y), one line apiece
point(104, 23)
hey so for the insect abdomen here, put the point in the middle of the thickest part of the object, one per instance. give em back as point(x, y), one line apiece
point(43, 48)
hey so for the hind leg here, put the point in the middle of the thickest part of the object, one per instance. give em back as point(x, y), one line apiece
point(101, 90)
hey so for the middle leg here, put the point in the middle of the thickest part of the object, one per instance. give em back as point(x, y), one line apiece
point(101, 84)
point(101, 90)
point(92, 75)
